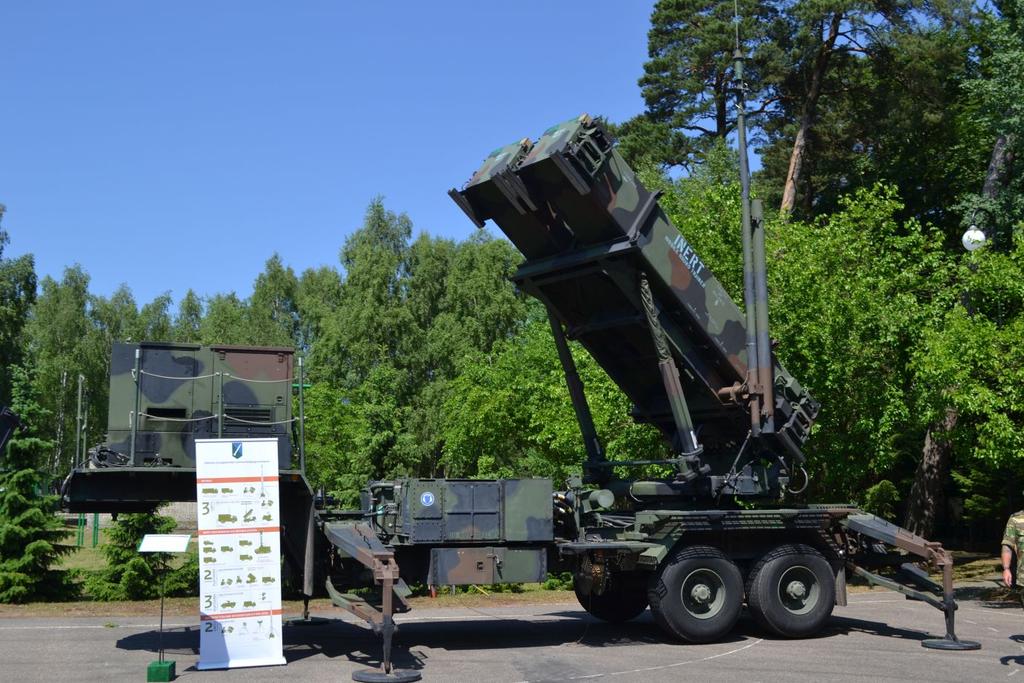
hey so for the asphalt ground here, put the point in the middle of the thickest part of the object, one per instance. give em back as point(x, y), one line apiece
point(876, 638)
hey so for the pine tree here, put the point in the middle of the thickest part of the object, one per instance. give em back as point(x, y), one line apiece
point(30, 534)
point(131, 576)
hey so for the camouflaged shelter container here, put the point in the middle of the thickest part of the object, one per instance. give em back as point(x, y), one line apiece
point(169, 395)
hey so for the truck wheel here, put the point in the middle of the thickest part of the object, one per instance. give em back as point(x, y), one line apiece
point(697, 594)
point(624, 598)
point(791, 591)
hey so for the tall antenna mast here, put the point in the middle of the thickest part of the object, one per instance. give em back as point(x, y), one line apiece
point(748, 250)
point(760, 367)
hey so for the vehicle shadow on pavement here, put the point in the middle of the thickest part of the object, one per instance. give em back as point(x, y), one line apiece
point(183, 640)
point(569, 628)
point(641, 630)
point(1017, 660)
point(333, 639)
point(847, 625)
point(359, 645)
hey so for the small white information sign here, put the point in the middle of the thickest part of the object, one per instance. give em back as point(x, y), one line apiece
point(239, 553)
point(164, 543)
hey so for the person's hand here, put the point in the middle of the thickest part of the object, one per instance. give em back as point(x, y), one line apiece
point(1008, 578)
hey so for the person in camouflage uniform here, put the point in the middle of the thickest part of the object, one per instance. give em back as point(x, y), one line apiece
point(1013, 538)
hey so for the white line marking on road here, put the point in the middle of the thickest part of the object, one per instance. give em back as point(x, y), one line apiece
point(84, 626)
point(973, 623)
point(662, 667)
point(994, 630)
point(533, 618)
point(994, 612)
point(1012, 672)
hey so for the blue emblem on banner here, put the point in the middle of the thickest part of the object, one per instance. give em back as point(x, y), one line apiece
point(236, 449)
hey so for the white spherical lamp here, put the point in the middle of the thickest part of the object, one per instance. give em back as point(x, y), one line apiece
point(973, 238)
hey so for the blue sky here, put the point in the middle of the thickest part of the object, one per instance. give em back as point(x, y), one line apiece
point(177, 145)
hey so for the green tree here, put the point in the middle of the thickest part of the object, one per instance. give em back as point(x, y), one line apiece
point(371, 325)
point(225, 320)
point(272, 311)
point(508, 413)
point(154, 320)
point(61, 340)
point(17, 294)
point(872, 93)
point(316, 298)
point(109, 320)
point(115, 318)
point(997, 93)
point(851, 294)
point(189, 319)
point(389, 340)
point(688, 80)
point(30, 532)
point(968, 369)
point(334, 430)
point(130, 575)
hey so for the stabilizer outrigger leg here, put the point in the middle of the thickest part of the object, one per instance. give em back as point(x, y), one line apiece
point(877, 529)
point(944, 560)
point(360, 543)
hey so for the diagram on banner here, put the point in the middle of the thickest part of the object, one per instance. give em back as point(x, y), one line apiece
point(239, 546)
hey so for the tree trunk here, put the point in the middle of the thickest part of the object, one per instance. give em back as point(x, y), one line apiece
point(999, 165)
point(926, 493)
point(997, 175)
point(796, 158)
point(721, 106)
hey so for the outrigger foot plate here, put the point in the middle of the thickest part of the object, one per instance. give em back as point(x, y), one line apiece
point(950, 644)
point(378, 676)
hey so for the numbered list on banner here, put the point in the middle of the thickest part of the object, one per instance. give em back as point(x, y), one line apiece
point(239, 553)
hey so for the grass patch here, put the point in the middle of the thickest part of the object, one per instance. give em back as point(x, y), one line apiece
point(976, 567)
point(86, 557)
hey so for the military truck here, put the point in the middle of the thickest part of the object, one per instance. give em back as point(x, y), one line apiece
point(725, 529)
point(618, 278)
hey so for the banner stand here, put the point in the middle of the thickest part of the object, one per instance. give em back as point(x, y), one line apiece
point(238, 514)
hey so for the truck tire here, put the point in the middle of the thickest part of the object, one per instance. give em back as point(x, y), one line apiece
point(697, 594)
point(791, 591)
point(624, 598)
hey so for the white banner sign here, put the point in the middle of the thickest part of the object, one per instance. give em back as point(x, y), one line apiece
point(239, 553)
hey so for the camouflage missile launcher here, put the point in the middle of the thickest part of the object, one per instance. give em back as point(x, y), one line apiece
point(617, 276)
point(165, 396)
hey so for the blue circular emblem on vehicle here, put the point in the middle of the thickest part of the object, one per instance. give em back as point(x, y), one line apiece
point(426, 499)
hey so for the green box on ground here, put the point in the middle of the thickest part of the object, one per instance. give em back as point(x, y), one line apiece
point(160, 671)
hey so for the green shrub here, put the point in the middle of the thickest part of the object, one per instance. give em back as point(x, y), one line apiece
point(558, 582)
point(133, 576)
point(881, 500)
